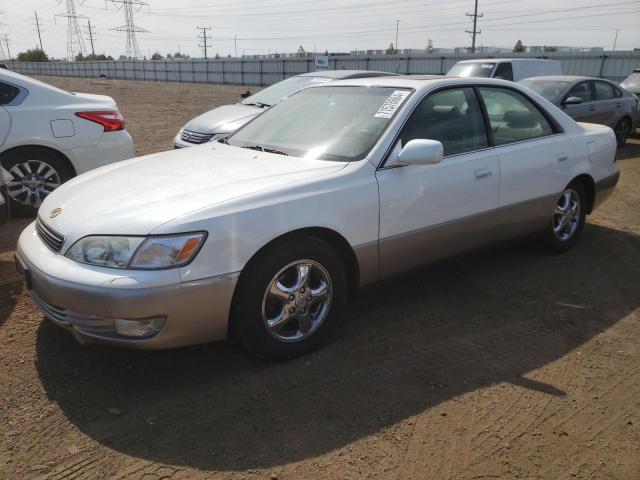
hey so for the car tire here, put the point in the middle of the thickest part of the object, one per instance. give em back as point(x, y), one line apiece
point(622, 131)
point(279, 313)
point(567, 219)
point(33, 173)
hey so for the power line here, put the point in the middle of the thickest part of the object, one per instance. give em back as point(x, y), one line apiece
point(475, 15)
point(38, 29)
point(75, 42)
point(205, 39)
point(132, 49)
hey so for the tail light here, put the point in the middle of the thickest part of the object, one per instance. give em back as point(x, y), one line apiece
point(111, 121)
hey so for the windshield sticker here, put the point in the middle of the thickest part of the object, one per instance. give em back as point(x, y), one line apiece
point(391, 104)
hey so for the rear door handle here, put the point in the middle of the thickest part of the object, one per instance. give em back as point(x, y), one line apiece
point(562, 157)
point(483, 173)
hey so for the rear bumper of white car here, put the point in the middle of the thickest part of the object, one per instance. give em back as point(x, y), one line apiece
point(112, 147)
point(188, 312)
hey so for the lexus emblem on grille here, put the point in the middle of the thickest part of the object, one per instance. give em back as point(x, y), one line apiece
point(55, 212)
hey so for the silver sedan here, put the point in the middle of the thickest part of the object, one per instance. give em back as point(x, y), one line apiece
point(592, 100)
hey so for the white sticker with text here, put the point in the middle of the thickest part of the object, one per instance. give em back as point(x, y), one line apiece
point(391, 104)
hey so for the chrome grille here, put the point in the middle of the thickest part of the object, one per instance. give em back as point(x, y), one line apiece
point(49, 236)
point(195, 137)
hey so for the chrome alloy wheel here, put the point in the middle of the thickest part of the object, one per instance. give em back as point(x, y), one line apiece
point(566, 216)
point(297, 301)
point(31, 181)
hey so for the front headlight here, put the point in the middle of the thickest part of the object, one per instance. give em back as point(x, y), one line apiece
point(144, 253)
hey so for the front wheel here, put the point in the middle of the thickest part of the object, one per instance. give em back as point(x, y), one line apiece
point(290, 298)
point(567, 220)
point(622, 131)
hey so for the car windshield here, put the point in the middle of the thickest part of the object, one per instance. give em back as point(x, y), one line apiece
point(472, 69)
point(328, 123)
point(632, 80)
point(276, 92)
point(549, 89)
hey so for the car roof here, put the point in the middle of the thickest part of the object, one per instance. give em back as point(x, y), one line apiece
point(417, 82)
point(342, 74)
point(501, 59)
point(565, 78)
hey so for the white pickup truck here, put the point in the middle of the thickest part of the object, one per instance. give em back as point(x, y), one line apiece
point(514, 69)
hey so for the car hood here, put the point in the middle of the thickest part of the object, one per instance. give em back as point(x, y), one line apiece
point(224, 119)
point(136, 196)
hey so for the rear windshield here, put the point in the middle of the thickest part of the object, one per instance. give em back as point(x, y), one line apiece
point(549, 89)
point(472, 69)
point(276, 92)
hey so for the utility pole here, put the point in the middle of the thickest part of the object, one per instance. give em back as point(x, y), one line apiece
point(205, 39)
point(38, 28)
point(235, 42)
point(75, 42)
point(615, 40)
point(132, 49)
point(475, 31)
point(90, 32)
point(395, 46)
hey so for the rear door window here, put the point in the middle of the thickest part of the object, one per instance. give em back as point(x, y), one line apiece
point(513, 117)
point(604, 91)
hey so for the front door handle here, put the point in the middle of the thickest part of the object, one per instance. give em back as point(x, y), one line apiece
point(562, 157)
point(483, 173)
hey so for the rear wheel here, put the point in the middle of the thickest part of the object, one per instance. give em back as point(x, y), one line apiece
point(290, 298)
point(568, 218)
point(622, 131)
point(33, 174)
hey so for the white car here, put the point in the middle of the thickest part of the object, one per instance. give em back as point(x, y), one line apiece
point(48, 136)
point(265, 236)
point(514, 69)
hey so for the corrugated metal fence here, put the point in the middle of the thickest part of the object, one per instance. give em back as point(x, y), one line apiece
point(252, 71)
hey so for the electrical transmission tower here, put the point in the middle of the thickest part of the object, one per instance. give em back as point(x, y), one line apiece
point(475, 30)
point(205, 39)
point(75, 42)
point(132, 50)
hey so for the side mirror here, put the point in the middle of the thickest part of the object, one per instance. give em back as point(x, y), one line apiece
point(421, 152)
point(246, 94)
point(572, 101)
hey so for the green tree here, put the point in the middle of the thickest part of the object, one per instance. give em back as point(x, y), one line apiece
point(156, 56)
point(301, 52)
point(32, 55)
point(519, 47)
point(91, 56)
point(549, 49)
point(391, 50)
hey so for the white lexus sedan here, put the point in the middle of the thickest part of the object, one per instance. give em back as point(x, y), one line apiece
point(48, 136)
point(264, 236)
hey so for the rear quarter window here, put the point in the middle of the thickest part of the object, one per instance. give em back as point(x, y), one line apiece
point(8, 93)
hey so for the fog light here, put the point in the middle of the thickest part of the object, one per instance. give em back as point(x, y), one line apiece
point(145, 327)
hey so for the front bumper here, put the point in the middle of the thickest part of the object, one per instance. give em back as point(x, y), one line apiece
point(604, 188)
point(195, 312)
point(179, 143)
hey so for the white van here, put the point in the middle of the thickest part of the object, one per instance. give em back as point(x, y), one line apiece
point(514, 69)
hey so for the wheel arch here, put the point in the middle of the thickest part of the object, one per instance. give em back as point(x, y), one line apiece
point(590, 187)
point(51, 150)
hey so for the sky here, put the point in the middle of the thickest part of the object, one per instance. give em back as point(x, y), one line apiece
point(268, 26)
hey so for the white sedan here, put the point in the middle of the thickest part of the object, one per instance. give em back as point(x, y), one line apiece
point(48, 136)
point(265, 236)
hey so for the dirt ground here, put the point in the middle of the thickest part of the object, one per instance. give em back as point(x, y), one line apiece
point(510, 363)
